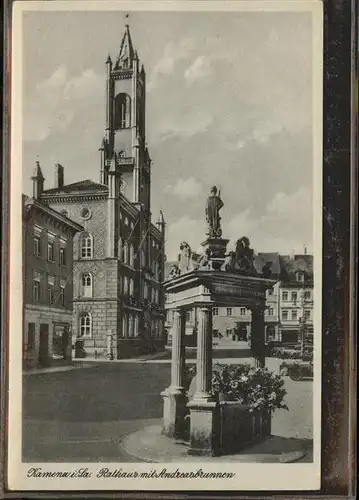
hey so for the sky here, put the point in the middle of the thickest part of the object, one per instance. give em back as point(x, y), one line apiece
point(229, 103)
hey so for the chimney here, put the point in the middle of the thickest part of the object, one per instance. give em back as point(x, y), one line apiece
point(292, 254)
point(59, 176)
point(305, 250)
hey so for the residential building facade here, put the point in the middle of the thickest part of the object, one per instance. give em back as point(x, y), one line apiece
point(119, 257)
point(47, 281)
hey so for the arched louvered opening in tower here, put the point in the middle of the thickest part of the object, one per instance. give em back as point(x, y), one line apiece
point(122, 111)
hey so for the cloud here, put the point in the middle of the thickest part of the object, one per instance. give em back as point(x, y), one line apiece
point(185, 124)
point(261, 134)
point(184, 229)
point(57, 100)
point(200, 68)
point(287, 214)
point(185, 188)
point(165, 66)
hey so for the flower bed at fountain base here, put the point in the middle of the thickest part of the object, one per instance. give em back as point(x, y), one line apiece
point(238, 428)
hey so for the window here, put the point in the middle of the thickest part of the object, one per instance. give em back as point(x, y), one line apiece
point(294, 296)
point(50, 290)
point(215, 311)
point(136, 326)
point(50, 251)
point(125, 285)
point(229, 311)
point(86, 285)
point(132, 256)
point(122, 110)
point(85, 325)
point(125, 253)
point(188, 316)
point(124, 325)
point(130, 325)
point(37, 247)
point(300, 277)
point(242, 311)
point(158, 272)
point(31, 335)
point(271, 311)
point(62, 295)
point(145, 291)
point(123, 189)
point(132, 288)
point(143, 258)
point(36, 288)
point(294, 314)
point(285, 314)
point(119, 248)
point(285, 296)
point(86, 245)
point(62, 257)
point(307, 313)
point(307, 295)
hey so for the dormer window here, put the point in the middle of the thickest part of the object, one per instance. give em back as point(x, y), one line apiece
point(300, 276)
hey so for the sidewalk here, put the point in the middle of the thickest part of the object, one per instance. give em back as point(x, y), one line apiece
point(150, 445)
point(75, 365)
point(139, 359)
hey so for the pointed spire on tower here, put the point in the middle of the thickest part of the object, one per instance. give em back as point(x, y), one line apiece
point(161, 223)
point(127, 53)
point(37, 173)
point(37, 180)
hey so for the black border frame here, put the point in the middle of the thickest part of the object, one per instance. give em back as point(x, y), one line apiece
point(340, 231)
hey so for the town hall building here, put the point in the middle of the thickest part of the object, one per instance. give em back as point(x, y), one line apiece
point(118, 302)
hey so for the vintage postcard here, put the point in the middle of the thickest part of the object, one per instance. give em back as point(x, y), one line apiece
point(166, 199)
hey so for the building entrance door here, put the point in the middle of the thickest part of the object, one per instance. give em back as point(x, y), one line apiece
point(44, 344)
point(270, 333)
point(60, 341)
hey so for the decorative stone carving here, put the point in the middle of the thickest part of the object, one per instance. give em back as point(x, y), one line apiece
point(185, 260)
point(205, 263)
point(174, 272)
point(241, 260)
point(213, 206)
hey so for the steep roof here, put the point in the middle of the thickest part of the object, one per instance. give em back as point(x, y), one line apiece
point(126, 51)
point(297, 263)
point(31, 204)
point(268, 257)
point(86, 185)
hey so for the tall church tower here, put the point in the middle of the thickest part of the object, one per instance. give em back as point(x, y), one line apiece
point(125, 137)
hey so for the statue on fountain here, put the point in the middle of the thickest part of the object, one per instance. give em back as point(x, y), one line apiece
point(213, 206)
point(242, 259)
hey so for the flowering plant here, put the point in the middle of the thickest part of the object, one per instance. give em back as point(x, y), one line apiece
point(258, 388)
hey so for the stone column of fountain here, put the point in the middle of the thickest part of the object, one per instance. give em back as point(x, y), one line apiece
point(174, 397)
